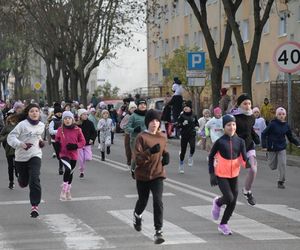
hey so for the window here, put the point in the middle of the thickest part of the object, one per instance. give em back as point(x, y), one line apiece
point(233, 50)
point(186, 40)
point(266, 72)
point(238, 72)
point(266, 28)
point(258, 72)
point(282, 25)
point(177, 7)
point(195, 39)
point(245, 31)
point(215, 34)
point(173, 43)
point(177, 42)
point(186, 8)
point(200, 40)
point(167, 46)
point(166, 8)
point(226, 74)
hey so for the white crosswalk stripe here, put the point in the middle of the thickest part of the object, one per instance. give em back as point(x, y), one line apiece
point(77, 235)
point(245, 226)
point(172, 233)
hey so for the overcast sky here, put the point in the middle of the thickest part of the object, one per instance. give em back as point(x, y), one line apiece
point(129, 70)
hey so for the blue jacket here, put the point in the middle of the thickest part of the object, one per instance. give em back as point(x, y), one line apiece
point(273, 137)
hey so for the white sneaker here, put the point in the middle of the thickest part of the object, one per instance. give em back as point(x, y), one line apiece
point(190, 161)
point(181, 167)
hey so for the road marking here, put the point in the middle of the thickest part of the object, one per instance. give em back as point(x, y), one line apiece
point(77, 235)
point(91, 198)
point(282, 210)
point(172, 233)
point(245, 226)
point(109, 164)
point(16, 203)
point(136, 196)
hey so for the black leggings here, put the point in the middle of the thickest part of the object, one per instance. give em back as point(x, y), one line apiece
point(68, 176)
point(29, 173)
point(11, 167)
point(156, 188)
point(229, 189)
point(184, 142)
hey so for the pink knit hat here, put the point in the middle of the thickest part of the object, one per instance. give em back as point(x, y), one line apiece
point(217, 111)
point(256, 109)
point(280, 110)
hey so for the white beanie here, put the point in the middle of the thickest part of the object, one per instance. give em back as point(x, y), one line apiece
point(279, 110)
point(132, 105)
point(81, 112)
point(256, 109)
point(67, 114)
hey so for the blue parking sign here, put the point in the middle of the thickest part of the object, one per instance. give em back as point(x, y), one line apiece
point(196, 60)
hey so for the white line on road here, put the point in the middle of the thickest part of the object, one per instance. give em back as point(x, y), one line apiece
point(136, 196)
point(77, 235)
point(282, 210)
point(16, 203)
point(91, 198)
point(245, 226)
point(172, 233)
point(109, 164)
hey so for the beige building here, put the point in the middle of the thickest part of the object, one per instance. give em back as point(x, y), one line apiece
point(179, 27)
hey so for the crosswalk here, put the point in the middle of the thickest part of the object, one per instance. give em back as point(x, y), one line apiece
point(73, 233)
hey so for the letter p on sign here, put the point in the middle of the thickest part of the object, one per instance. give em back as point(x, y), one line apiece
point(196, 61)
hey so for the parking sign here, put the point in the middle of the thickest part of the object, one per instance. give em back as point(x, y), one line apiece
point(196, 60)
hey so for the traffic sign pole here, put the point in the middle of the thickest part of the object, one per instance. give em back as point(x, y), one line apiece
point(290, 107)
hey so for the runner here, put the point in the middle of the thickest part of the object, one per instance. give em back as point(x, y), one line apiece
point(214, 128)
point(151, 157)
point(27, 140)
point(225, 159)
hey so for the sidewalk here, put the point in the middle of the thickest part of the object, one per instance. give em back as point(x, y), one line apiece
point(292, 160)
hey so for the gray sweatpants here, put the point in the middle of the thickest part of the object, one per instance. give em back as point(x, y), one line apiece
point(278, 160)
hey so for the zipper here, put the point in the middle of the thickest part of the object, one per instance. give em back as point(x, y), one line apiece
point(230, 141)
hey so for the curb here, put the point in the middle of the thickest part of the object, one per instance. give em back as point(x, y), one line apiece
point(291, 159)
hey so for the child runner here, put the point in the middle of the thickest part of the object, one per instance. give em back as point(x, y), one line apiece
point(188, 122)
point(53, 127)
point(214, 127)
point(27, 140)
point(202, 121)
point(244, 129)
point(11, 122)
point(70, 138)
point(90, 134)
point(225, 158)
point(273, 140)
point(260, 123)
point(105, 125)
point(151, 157)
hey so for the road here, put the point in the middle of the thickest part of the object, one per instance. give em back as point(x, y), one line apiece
point(100, 214)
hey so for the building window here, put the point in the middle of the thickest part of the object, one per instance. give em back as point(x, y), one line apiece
point(233, 50)
point(245, 31)
point(166, 10)
point(177, 42)
point(200, 40)
point(167, 46)
point(226, 74)
point(195, 39)
point(266, 28)
point(186, 8)
point(238, 72)
point(266, 72)
point(173, 43)
point(258, 72)
point(177, 7)
point(282, 25)
point(215, 34)
point(186, 40)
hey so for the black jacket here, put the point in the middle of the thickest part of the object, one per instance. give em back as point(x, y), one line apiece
point(244, 129)
point(273, 137)
point(88, 130)
point(187, 122)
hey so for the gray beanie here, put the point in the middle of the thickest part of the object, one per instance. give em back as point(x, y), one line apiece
point(67, 114)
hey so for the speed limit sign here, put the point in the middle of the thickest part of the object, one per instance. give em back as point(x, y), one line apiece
point(287, 57)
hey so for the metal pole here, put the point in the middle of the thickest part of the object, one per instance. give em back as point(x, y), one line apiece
point(290, 99)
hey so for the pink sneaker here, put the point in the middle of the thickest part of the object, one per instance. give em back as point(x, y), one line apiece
point(224, 229)
point(215, 211)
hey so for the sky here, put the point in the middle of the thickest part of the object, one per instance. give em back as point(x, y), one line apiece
point(129, 70)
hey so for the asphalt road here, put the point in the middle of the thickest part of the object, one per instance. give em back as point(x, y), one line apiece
point(100, 214)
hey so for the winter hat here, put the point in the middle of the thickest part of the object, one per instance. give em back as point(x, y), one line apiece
point(150, 116)
point(102, 105)
point(132, 105)
point(67, 114)
point(223, 91)
point(104, 111)
point(242, 98)
point(280, 110)
point(18, 105)
point(57, 109)
point(81, 112)
point(256, 109)
point(227, 118)
point(188, 104)
point(205, 111)
point(92, 110)
point(217, 111)
point(140, 101)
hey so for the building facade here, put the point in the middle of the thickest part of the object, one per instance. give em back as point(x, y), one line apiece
point(179, 27)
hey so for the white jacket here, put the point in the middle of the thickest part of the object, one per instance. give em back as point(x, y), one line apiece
point(24, 132)
point(215, 127)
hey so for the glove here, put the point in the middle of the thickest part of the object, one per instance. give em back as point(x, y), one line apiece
point(248, 164)
point(165, 159)
point(155, 149)
point(137, 129)
point(41, 144)
point(72, 146)
point(213, 180)
point(185, 122)
point(28, 145)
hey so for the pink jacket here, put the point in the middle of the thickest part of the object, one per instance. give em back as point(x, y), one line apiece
point(65, 136)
